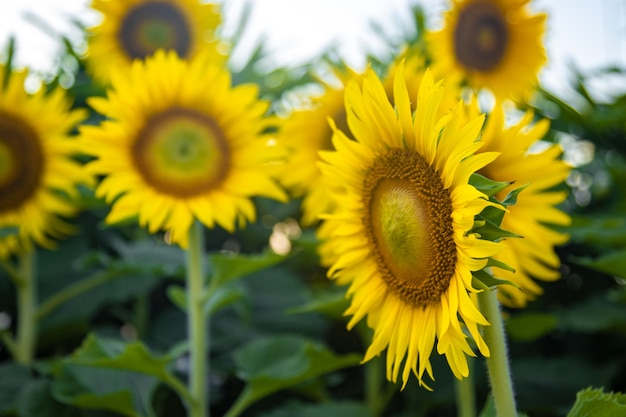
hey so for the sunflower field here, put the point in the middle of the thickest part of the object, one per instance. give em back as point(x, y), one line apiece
point(433, 234)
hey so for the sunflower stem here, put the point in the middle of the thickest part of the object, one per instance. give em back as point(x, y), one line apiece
point(26, 305)
point(373, 382)
point(498, 362)
point(198, 323)
point(465, 394)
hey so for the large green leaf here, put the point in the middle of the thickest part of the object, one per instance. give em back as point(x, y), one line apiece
point(530, 326)
point(126, 393)
point(597, 403)
point(117, 365)
point(13, 378)
point(35, 400)
point(273, 363)
point(227, 267)
point(612, 263)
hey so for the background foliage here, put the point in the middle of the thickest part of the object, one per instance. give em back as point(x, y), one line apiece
point(279, 347)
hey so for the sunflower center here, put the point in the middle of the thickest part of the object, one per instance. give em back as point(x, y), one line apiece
point(181, 152)
point(481, 36)
point(21, 162)
point(154, 25)
point(409, 226)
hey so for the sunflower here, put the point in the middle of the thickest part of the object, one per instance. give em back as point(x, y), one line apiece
point(533, 256)
point(402, 227)
point(492, 44)
point(307, 131)
point(37, 172)
point(136, 29)
point(414, 66)
point(181, 143)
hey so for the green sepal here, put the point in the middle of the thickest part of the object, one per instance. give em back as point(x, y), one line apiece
point(487, 186)
point(483, 280)
point(492, 262)
point(511, 198)
point(493, 232)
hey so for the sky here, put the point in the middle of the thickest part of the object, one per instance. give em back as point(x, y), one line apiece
point(587, 34)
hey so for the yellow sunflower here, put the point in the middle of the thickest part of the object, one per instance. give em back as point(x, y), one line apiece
point(136, 29)
point(181, 143)
point(492, 44)
point(414, 65)
point(307, 131)
point(402, 224)
point(533, 256)
point(37, 172)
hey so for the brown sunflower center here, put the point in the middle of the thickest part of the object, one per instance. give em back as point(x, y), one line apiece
point(21, 162)
point(481, 36)
point(154, 25)
point(409, 225)
point(181, 152)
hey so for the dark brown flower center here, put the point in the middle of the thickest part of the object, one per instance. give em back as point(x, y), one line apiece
point(154, 25)
point(481, 36)
point(181, 152)
point(21, 162)
point(409, 226)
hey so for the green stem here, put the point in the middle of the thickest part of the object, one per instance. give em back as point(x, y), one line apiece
point(198, 324)
point(498, 362)
point(142, 312)
point(465, 395)
point(75, 290)
point(26, 313)
point(373, 383)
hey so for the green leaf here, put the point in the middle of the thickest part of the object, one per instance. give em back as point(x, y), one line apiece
point(596, 403)
point(113, 375)
point(331, 302)
point(597, 314)
point(227, 268)
point(271, 364)
point(219, 299)
point(116, 354)
point(526, 327)
point(126, 393)
point(13, 378)
point(332, 409)
point(35, 400)
point(177, 296)
point(487, 186)
point(612, 263)
point(223, 297)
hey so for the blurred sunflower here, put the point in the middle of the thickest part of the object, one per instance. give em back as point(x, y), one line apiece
point(136, 29)
point(492, 44)
point(181, 143)
point(402, 226)
point(37, 172)
point(535, 209)
point(307, 131)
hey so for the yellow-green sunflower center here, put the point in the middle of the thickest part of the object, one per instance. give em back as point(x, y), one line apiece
point(409, 226)
point(481, 36)
point(181, 152)
point(21, 162)
point(154, 25)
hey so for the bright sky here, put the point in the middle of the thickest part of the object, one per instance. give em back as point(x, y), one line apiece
point(591, 34)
